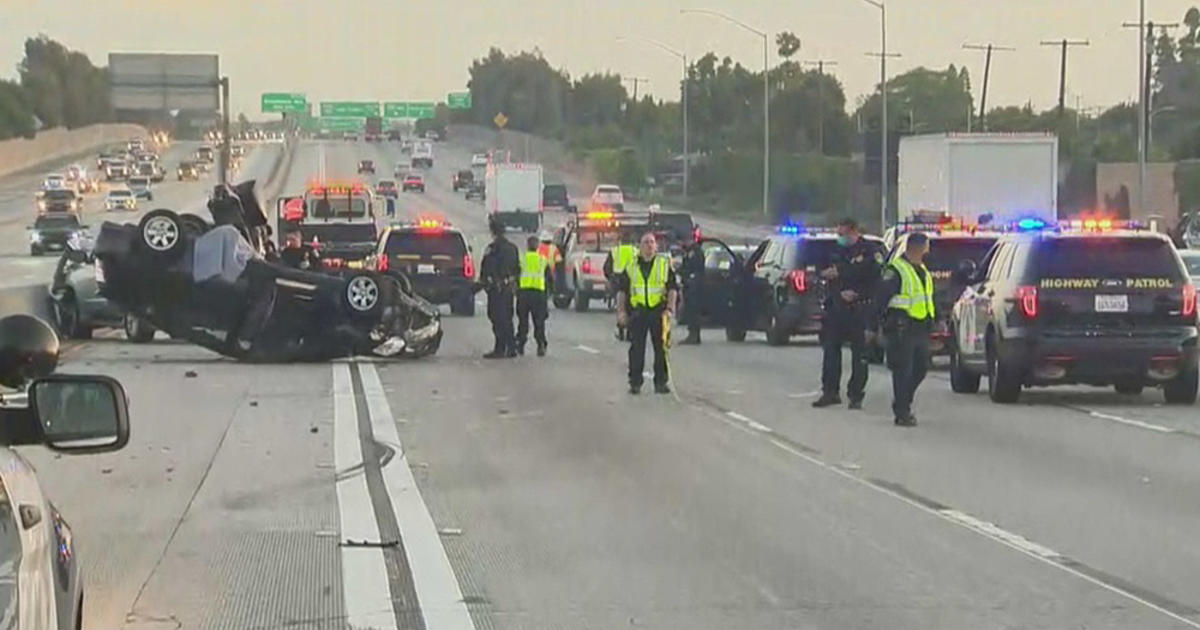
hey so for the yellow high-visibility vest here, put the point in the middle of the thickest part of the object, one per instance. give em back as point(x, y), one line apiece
point(533, 271)
point(622, 257)
point(915, 297)
point(648, 292)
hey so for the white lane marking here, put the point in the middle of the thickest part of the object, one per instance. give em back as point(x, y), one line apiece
point(761, 428)
point(587, 349)
point(983, 528)
point(367, 596)
point(1133, 423)
point(811, 394)
point(438, 592)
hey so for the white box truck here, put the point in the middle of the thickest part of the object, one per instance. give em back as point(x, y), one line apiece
point(513, 193)
point(967, 175)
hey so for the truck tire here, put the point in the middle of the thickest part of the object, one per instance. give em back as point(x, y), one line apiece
point(776, 334)
point(161, 234)
point(962, 380)
point(562, 301)
point(1182, 389)
point(733, 333)
point(582, 301)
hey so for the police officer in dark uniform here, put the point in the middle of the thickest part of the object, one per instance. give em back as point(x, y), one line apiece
point(905, 298)
point(850, 279)
point(296, 253)
point(692, 272)
point(498, 273)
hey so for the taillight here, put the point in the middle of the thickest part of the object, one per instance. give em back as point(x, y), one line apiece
point(586, 267)
point(1028, 298)
point(468, 266)
point(382, 264)
point(1189, 300)
point(799, 280)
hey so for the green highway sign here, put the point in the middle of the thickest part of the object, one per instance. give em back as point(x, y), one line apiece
point(458, 100)
point(421, 110)
point(395, 110)
point(349, 109)
point(283, 102)
point(400, 109)
point(341, 123)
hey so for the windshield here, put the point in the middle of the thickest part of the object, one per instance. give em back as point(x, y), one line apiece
point(431, 243)
point(51, 222)
point(603, 239)
point(337, 207)
point(1098, 256)
point(118, 194)
point(59, 195)
point(139, 181)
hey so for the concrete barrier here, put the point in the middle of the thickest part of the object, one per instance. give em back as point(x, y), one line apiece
point(20, 154)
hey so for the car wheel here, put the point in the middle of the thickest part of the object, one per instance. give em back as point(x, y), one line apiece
point(162, 233)
point(734, 333)
point(137, 329)
point(582, 302)
point(1003, 386)
point(562, 301)
point(65, 312)
point(1128, 388)
point(463, 305)
point(1182, 389)
point(362, 294)
point(776, 334)
point(962, 380)
point(193, 224)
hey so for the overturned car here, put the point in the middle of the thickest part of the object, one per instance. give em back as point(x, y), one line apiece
point(213, 284)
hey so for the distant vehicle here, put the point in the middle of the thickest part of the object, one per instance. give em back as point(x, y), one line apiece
point(51, 232)
point(554, 196)
point(479, 159)
point(477, 190)
point(187, 171)
point(206, 154)
point(140, 186)
point(373, 129)
point(78, 177)
point(77, 306)
point(116, 170)
point(339, 216)
point(422, 154)
point(432, 135)
point(394, 135)
point(366, 166)
point(120, 199)
point(1191, 260)
point(350, 136)
point(237, 150)
point(387, 188)
point(414, 181)
point(135, 145)
point(435, 257)
point(54, 181)
point(513, 194)
point(406, 146)
point(70, 414)
point(462, 179)
point(59, 200)
point(608, 197)
point(103, 158)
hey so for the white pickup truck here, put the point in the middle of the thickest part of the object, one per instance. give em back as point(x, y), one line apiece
point(608, 197)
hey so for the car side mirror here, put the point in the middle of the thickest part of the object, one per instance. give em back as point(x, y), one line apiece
point(80, 414)
point(965, 273)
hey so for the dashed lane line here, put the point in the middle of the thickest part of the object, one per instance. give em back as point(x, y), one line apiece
point(587, 349)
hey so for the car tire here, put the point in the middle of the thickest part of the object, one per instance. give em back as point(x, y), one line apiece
point(776, 334)
point(65, 313)
point(161, 234)
point(463, 305)
point(962, 380)
point(1003, 385)
point(363, 295)
point(735, 334)
point(194, 224)
point(562, 301)
point(1182, 389)
point(137, 329)
point(582, 301)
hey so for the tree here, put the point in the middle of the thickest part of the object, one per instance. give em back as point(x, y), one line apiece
point(808, 112)
point(16, 116)
point(62, 85)
point(523, 87)
point(597, 100)
point(788, 44)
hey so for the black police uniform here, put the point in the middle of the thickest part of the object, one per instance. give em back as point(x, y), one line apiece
point(498, 272)
point(532, 305)
point(858, 268)
point(692, 270)
point(907, 346)
point(302, 257)
point(643, 321)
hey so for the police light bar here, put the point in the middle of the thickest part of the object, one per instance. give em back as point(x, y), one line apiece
point(1103, 225)
point(598, 216)
point(431, 224)
point(789, 228)
point(317, 187)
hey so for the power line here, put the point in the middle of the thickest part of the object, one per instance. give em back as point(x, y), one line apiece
point(987, 70)
point(1062, 75)
point(636, 81)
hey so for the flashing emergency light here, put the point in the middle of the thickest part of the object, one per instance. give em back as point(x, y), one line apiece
point(431, 224)
point(790, 229)
point(598, 216)
point(1030, 224)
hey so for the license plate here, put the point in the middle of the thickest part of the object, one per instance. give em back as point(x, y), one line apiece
point(1112, 303)
point(426, 269)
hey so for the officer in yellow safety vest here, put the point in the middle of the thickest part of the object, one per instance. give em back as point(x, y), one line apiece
point(553, 255)
point(906, 293)
point(536, 280)
point(619, 257)
point(646, 295)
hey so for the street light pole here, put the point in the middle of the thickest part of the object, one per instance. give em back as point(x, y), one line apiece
point(686, 149)
point(766, 192)
point(883, 118)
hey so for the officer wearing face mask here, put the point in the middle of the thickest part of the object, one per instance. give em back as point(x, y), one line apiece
point(850, 279)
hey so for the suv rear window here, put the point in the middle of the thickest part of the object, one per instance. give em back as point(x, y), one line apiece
point(415, 243)
point(1106, 256)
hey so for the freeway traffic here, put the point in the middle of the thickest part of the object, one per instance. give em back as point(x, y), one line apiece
point(453, 492)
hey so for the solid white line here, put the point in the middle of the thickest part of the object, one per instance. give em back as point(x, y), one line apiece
point(438, 592)
point(1133, 423)
point(365, 590)
point(761, 428)
point(587, 349)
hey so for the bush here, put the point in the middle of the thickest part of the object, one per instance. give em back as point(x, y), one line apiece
point(623, 167)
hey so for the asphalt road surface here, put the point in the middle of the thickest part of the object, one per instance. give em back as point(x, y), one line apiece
point(453, 492)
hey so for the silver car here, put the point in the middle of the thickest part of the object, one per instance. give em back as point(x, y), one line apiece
point(76, 305)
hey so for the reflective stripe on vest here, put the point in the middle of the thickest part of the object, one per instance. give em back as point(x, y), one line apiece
point(648, 292)
point(915, 297)
point(623, 256)
point(533, 271)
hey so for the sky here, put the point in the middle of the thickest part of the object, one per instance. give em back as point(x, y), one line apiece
point(410, 51)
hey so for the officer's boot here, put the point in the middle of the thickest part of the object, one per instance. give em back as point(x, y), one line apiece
point(827, 399)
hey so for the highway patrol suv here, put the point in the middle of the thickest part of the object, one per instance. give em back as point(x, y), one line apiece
point(435, 257)
point(1094, 302)
point(339, 218)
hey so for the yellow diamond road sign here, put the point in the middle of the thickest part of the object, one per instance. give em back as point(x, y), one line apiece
point(501, 120)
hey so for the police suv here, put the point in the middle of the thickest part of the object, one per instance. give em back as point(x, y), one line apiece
point(1094, 302)
point(781, 292)
point(435, 258)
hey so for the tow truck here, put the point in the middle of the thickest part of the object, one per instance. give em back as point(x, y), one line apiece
point(337, 217)
point(587, 240)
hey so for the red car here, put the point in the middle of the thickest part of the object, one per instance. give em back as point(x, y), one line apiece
point(387, 188)
point(414, 181)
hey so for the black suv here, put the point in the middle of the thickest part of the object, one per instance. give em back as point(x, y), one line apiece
point(555, 196)
point(1095, 307)
point(435, 257)
point(366, 166)
point(781, 292)
point(52, 232)
point(463, 179)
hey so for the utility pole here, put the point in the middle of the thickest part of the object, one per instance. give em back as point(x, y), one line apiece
point(636, 81)
point(987, 69)
point(884, 146)
point(820, 64)
point(1062, 73)
point(1145, 63)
